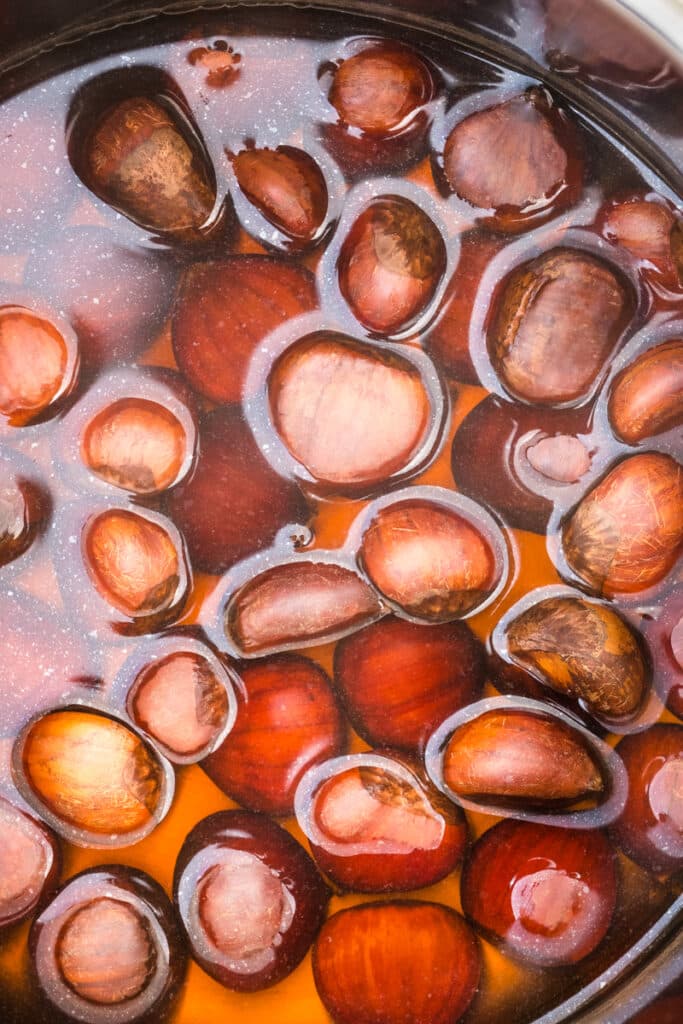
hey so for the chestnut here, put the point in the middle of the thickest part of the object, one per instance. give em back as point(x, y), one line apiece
point(107, 949)
point(287, 187)
point(38, 364)
point(115, 295)
point(144, 157)
point(646, 398)
point(396, 962)
point(298, 604)
point(545, 894)
point(137, 563)
point(664, 636)
point(376, 824)
point(399, 680)
point(650, 829)
point(627, 533)
point(328, 398)
point(234, 503)
point(581, 649)
point(181, 695)
point(390, 264)
point(225, 310)
point(287, 721)
point(91, 777)
point(30, 862)
point(646, 225)
point(430, 561)
point(24, 509)
point(520, 160)
point(542, 353)
point(219, 60)
point(249, 897)
point(520, 459)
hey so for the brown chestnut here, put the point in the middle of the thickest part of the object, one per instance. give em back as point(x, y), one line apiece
point(664, 635)
point(30, 862)
point(519, 159)
point(647, 226)
point(554, 323)
point(390, 264)
point(24, 508)
point(646, 398)
point(38, 364)
point(286, 186)
point(219, 60)
point(627, 533)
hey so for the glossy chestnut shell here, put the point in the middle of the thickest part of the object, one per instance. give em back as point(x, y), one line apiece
point(30, 863)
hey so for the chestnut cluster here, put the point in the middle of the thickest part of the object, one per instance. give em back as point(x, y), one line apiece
point(184, 496)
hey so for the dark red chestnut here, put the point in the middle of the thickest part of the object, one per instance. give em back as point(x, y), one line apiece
point(546, 894)
point(107, 949)
point(542, 349)
point(650, 829)
point(390, 264)
point(646, 398)
point(286, 186)
point(519, 159)
point(297, 604)
point(375, 824)
point(30, 862)
point(664, 635)
point(249, 897)
point(225, 310)
point(399, 680)
point(234, 503)
point(398, 962)
point(627, 533)
point(38, 364)
point(647, 226)
point(287, 721)
point(23, 511)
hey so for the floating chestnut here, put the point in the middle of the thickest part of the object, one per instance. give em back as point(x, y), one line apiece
point(519, 459)
point(429, 561)
point(397, 962)
point(399, 680)
point(219, 60)
point(30, 862)
point(286, 186)
point(107, 949)
point(249, 897)
point(390, 264)
point(225, 310)
point(375, 824)
point(297, 604)
point(38, 364)
point(647, 396)
point(287, 721)
point(627, 533)
point(234, 503)
point(546, 894)
point(91, 777)
point(24, 508)
point(650, 829)
point(554, 323)
point(144, 157)
point(648, 227)
point(583, 650)
point(519, 159)
point(328, 400)
point(182, 696)
point(137, 563)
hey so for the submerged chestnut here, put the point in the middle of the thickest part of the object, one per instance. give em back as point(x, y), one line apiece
point(107, 949)
point(91, 777)
point(546, 894)
point(647, 226)
point(249, 897)
point(225, 310)
point(329, 397)
point(143, 157)
point(23, 510)
point(647, 396)
point(627, 533)
point(297, 604)
point(399, 680)
point(30, 862)
point(38, 364)
point(583, 650)
point(429, 561)
point(375, 824)
point(554, 323)
point(287, 721)
point(519, 159)
point(390, 264)
point(396, 962)
point(286, 186)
